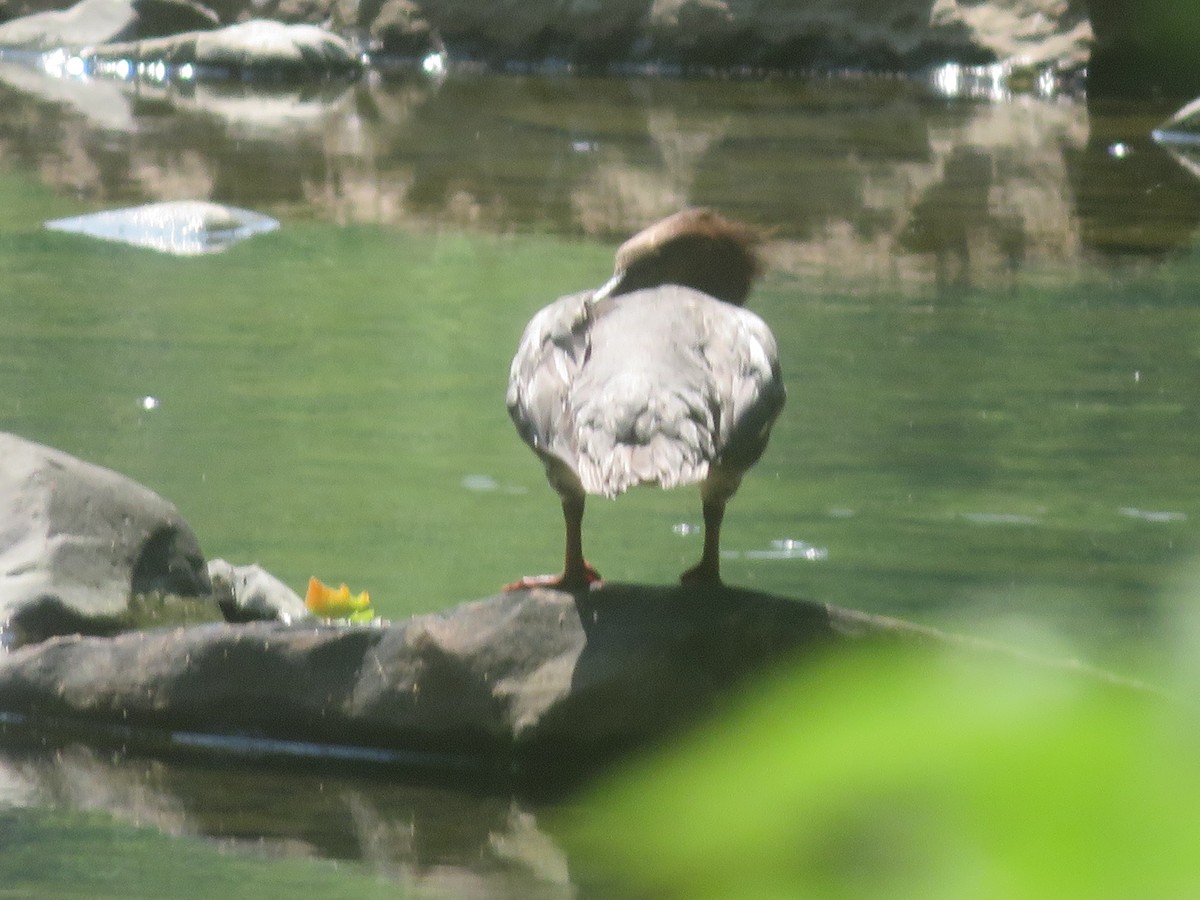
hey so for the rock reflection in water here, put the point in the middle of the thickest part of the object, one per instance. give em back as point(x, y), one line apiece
point(433, 839)
point(882, 178)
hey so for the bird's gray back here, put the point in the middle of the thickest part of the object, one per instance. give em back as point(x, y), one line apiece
point(648, 387)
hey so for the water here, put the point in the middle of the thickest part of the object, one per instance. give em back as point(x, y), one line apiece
point(77, 823)
point(986, 314)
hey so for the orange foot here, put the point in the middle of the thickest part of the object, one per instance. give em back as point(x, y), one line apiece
point(564, 582)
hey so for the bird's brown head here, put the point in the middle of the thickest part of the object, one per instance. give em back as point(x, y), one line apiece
point(695, 248)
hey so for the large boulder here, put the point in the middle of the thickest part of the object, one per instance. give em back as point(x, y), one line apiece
point(124, 33)
point(898, 34)
point(537, 682)
point(83, 547)
point(540, 685)
point(254, 49)
point(91, 22)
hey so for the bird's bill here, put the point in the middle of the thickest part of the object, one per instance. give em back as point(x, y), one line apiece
point(609, 287)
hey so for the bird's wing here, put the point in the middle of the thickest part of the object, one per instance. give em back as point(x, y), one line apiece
point(553, 347)
point(676, 381)
point(743, 358)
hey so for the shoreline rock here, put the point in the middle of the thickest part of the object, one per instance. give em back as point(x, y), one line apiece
point(1147, 53)
point(90, 22)
point(159, 40)
point(534, 688)
point(80, 543)
point(257, 49)
point(815, 35)
point(535, 680)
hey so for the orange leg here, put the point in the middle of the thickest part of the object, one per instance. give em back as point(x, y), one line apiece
point(577, 572)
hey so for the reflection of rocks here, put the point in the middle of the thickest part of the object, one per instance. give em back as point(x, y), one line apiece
point(853, 179)
point(102, 104)
point(952, 212)
point(275, 116)
point(1158, 199)
point(622, 196)
point(620, 193)
point(437, 841)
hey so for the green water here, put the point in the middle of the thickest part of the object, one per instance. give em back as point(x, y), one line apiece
point(330, 403)
point(987, 319)
point(49, 854)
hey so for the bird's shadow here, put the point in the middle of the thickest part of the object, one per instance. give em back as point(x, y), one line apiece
point(713, 631)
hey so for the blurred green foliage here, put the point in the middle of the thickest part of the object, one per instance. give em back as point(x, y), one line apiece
point(892, 773)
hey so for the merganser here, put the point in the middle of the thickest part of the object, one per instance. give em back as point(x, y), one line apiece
point(658, 377)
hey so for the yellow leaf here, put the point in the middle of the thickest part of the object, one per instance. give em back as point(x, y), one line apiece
point(339, 603)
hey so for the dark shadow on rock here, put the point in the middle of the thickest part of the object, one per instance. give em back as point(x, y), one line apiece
point(656, 659)
point(171, 562)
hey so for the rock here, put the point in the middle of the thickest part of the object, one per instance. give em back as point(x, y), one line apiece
point(539, 686)
point(397, 26)
point(900, 34)
point(257, 48)
point(252, 594)
point(159, 18)
point(92, 22)
point(530, 679)
point(180, 32)
point(897, 35)
point(176, 227)
point(89, 21)
point(79, 544)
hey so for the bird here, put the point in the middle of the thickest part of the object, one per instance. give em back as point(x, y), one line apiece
point(660, 376)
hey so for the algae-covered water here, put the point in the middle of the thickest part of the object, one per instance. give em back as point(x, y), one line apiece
point(987, 316)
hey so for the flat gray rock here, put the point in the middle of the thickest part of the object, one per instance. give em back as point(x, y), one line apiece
point(538, 684)
point(178, 227)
